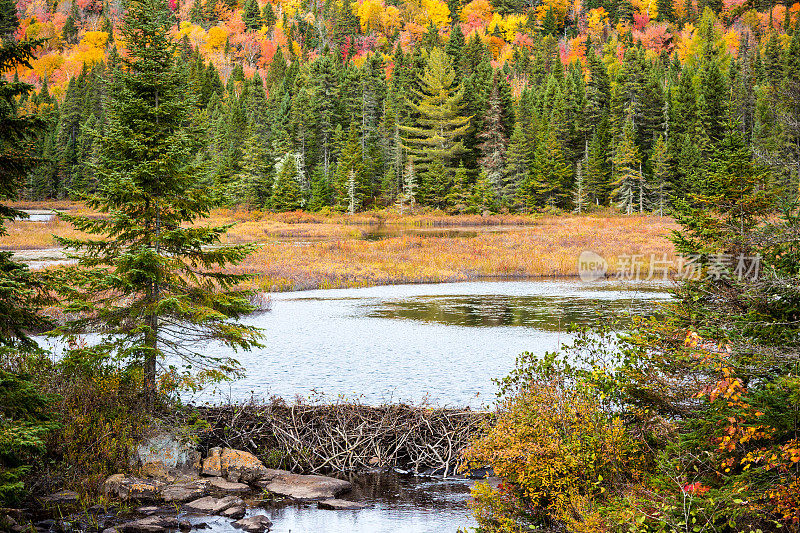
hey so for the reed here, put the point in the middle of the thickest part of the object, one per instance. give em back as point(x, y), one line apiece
point(313, 251)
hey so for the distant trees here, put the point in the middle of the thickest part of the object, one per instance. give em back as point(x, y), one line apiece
point(522, 96)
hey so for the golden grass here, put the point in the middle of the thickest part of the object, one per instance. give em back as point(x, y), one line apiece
point(306, 251)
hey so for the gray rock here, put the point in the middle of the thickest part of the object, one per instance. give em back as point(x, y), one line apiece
point(300, 487)
point(211, 505)
point(254, 524)
point(132, 488)
point(185, 492)
point(164, 453)
point(223, 485)
point(340, 505)
point(148, 510)
point(151, 524)
point(235, 512)
point(64, 496)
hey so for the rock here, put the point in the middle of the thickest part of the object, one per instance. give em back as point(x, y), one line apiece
point(301, 487)
point(111, 530)
point(234, 512)
point(211, 505)
point(212, 465)
point(223, 485)
point(157, 471)
point(237, 465)
point(185, 525)
point(148, 510)
point(269, 474)
point(185, 492)
point(165, 453)
point(340, 505)
point(151, 524)
point(132, 488)
point(254, 524)
point(64, 496)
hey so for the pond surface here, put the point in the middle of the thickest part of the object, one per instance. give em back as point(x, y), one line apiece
point(441, 343)
point(393, 504)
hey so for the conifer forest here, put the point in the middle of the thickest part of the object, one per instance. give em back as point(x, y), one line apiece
point(400, 266)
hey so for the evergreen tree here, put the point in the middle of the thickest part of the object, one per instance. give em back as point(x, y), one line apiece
point(21, 295)
point(495, 139)
point(660, 184)
point(268, 15)
point(286, 195)
point(150, 282)
point(252, 15)
point(70, 29)
point(627, 179)
point(548, 184)
point(439, 124)
point(9, 22)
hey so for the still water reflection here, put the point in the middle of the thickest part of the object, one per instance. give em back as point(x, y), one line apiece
point(442, 343)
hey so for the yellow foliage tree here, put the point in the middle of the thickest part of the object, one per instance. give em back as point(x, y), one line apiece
point(217, 36)
point(558, 7)
point(369, 15)
point(92, 48)
point(434, 12)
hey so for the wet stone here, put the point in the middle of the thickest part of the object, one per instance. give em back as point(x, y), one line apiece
point(254, 524)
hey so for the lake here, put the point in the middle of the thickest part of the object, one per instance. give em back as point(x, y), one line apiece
point(439, 343)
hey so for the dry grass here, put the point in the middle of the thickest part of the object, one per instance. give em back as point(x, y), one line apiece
point(306, 251)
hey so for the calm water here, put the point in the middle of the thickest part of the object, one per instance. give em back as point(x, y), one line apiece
point(394, 504)
point(442, 343)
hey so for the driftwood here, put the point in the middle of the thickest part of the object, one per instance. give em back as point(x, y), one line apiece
point(346, 436)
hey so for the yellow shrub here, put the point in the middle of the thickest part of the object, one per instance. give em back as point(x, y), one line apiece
point(559, 451)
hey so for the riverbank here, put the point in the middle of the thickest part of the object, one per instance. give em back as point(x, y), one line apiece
point(300, 251)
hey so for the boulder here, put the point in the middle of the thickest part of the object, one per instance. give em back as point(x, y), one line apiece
point(340, 505)
point(164, 453)
point(185, 492)
point(151, 524)
point(241, 466)
point(211, 505)
point(300, 487)
point(220, 484)
point(254, 524)
point(236, 512)
point(212, 465)
point(132, 488)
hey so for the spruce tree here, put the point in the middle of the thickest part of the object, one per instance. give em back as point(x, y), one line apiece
point(660, 183)
point(439, 124)
point(9, 22)
point(548, 184)
point(286, 195)
point(20, 292)
point(252, 15)
point(627, 179)
point(153, 282)
point(495, 139)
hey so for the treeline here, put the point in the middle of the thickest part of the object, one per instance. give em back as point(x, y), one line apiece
point(627, 128)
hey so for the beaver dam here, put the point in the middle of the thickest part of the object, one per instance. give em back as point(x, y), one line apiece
point(346, 436)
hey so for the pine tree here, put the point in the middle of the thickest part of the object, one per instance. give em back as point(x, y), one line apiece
point(268, 15)
point(252, 15)
point(627, 179)
point(439, 125)
point(286, 195)
point(9, 22)
point(495, 139)
point(149, 283)
point(70, 29)
point(548, 184)
point(409, 188)
point(660, 183)
point(579, 192)
point(518, 161)
point(20, 292)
